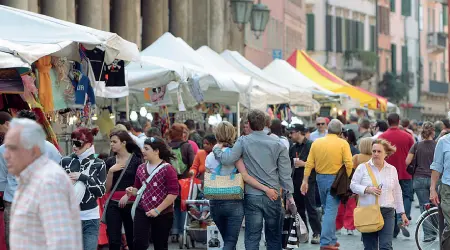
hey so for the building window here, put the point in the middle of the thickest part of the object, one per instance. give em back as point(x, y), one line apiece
point(441, 21)
point(394, 58)
point(310, 31)
point(393, 5)
point(445, 15)
point(430, 23)
point(339, 36)
point(406, 7)
point(329, 33)
point(404, 58)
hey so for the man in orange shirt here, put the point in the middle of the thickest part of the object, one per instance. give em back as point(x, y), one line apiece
point(198, 166)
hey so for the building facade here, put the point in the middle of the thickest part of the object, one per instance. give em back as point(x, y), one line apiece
point(347, 45)
point(433, 28)
point(285, 32)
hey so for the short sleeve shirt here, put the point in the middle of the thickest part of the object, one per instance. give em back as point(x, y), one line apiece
point(423, 153)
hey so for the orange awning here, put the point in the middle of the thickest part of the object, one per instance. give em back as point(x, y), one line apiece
point(320, 75)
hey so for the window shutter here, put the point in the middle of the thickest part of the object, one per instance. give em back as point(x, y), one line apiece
point(404, 59)
point(372, 38)
point(348, 34)
point(361, 36)
point(406, 7)
point(445, 15)
point(310, 31)
point(393, 5)
point(329, 34)
point(394, 59)
point(355, 31)
point(338, 34)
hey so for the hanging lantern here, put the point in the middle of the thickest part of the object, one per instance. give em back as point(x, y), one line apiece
point(143, 111)
point(259, 19)
point(241, 10)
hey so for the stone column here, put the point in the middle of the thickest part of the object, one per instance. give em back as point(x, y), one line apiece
point(106, 10)
point(33, 6)
point(124, 19)
point(152, 21)
point(71, 11)
point(56, 9)
point(165, 12)
point(236, 37)
point(199, 23)
point(179, 18)
point(90, 13)
point(18, 4)
point(217, 25)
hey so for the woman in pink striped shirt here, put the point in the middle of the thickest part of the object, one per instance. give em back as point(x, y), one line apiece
point(155, 208)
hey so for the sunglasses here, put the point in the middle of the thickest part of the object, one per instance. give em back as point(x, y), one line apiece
point(320, 124)
point(77, 143)
point(151, 139)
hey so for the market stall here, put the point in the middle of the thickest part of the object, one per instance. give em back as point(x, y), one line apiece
point(320, 75)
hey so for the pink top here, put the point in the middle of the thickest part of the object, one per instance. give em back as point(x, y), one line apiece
point(163, 183)
point(194, 146)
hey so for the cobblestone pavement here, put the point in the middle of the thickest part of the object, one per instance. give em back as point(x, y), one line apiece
point(347, 241)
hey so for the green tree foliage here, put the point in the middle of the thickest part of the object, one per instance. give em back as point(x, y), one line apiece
point(393, 88)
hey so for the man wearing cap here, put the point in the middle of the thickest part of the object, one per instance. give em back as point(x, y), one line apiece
point(298, 154)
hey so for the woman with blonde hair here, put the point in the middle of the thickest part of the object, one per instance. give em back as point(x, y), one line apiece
point(344, 218)
point(388, 190)
point(229, 214)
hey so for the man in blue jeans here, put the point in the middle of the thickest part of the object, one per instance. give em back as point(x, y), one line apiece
point(326, 156)
point(267, 160)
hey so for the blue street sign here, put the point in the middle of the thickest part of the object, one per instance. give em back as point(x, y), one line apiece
point(277, 54)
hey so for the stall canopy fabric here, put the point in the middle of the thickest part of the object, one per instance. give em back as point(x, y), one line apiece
point(217, 86)
point(257, 97)
point(28, 28)
point(283, 70)
point(319, 74)
point(297, 96)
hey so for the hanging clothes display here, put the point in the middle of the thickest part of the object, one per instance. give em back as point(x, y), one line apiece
point(45, 83)
point(113, 75)
point(82, 87)
point(58, 92)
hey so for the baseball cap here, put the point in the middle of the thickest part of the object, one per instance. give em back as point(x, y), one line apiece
point(297, 128)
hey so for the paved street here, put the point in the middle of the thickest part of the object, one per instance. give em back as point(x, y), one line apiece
point(351, 242)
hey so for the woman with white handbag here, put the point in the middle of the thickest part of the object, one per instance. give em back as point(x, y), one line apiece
point(380, 196)
point(224, 187)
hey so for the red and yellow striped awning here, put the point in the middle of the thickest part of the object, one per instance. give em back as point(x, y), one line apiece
point(320, 75)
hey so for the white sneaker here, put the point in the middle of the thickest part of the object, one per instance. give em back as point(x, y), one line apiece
point(350, 232)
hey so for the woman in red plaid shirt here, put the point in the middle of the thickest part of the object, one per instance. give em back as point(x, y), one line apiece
point(155, 208)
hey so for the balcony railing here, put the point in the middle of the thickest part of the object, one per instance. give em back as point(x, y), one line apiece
point(436, 42)
point(439, 87)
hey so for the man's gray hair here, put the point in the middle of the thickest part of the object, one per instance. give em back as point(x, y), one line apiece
point(31, 133)
point(335, 127)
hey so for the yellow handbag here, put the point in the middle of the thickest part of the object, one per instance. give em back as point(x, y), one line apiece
point(368, 219)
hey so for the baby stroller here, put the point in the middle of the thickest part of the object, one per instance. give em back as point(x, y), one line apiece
point(197, 216)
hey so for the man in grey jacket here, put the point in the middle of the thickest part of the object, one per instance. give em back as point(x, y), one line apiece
point(267, 160)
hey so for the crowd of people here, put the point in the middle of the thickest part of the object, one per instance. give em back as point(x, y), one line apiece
point(55, 202)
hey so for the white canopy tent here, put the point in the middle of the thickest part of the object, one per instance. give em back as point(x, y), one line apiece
point(259, 95)
point(29, 28)
point(281, 69)
point(184, 63)
point(297, 96)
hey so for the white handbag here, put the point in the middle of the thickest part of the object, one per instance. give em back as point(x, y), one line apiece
point(80, 187)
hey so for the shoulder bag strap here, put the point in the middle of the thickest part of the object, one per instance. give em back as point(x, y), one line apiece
point(103, 219)
point(374, 180)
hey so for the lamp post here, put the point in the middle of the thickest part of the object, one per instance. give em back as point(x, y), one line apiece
point(245, 11)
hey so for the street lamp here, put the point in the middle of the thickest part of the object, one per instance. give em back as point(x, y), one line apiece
point(245, 11)
point(241, 10)
point(259, 19)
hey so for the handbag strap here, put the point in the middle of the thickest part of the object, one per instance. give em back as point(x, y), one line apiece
point(374, 180)
point(120, 178)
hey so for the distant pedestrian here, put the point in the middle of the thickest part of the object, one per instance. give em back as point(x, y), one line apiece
point(45, 212)
point(321, 131)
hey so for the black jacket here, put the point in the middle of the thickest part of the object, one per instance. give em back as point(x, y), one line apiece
point(95, 181)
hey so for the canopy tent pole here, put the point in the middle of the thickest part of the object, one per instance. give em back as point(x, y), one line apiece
point(238, 118)
point(127, 107)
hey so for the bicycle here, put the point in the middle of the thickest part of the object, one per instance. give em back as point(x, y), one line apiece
point(427, 231)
